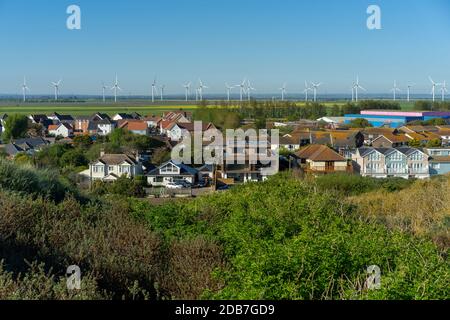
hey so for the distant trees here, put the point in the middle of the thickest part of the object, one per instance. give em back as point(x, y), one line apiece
point(359, 123)
point(16, 127)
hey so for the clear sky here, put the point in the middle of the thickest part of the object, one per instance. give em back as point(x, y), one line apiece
point(268, 41)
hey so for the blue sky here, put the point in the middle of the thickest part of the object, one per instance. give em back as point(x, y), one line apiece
point(268, 41)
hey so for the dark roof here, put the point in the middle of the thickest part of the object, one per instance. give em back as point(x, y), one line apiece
point(115, 159)
point(33, 142)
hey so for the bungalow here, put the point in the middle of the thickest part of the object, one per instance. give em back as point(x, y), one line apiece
point(60, 118)
point(392, 162)
point(139, 127)
point(371, 134)
point(424, 137)
point(153, 121)
point(390, 140)
point(294, 141)
point(320, 159)
point(338, 139)
point(109, 167)
point(178, 116)
point(27, 145)
point(170, 172)
point(60, 130)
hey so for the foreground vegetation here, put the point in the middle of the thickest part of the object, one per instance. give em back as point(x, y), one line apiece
point(286, 238)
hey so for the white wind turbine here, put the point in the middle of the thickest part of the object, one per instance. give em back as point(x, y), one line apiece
point(444, 90)
point(242, 88)
point(200, 89)
point(104, 87)
point(154, 90)
point(395, 89)
point(24, 89)
point(56, 85)
point(307, 89)
point(357, 86)
point(315, 86)
point(229, 88)
point(283, 91)
point(433, 89)
point(116, 87)
point(249, 89)
point(187, 89)
point(408, 92)
point(162, 91)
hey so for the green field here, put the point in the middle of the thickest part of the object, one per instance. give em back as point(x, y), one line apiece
point(88, 108)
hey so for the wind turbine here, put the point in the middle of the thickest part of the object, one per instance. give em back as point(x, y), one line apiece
point(395, 89)
point(444, 90)
point(154, 90)
point(315, 86)
point(433, 89)
point(353, 93)
point(25, 89)
point(242, 88)
point(408, 93)
point(104, 87)
point(249, 89)
point(187, 88)
point(56, 85)
point(162, 91)
point(283, 91)
point(116, 87)
point(307, 88)
point(356, 86)
point(228, 90)
point(200, 89)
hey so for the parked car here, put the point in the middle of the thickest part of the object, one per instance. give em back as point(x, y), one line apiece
point(183, 183)
point(223, 187)
point(173, 185)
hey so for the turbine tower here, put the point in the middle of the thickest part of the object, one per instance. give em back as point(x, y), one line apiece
point(314, 87)
point(154, 91)
point(104, 87)
point(395, 89)
point(356, 86)
point(56, 85)
point(162, 91)
point(242, 88)
point(187, 89)
point(444, 90)
point(229, 88)
point(24, 89)
point(307, 89)
point(249, 89)
point(116, 87)
point(408, 93)
point(283, 91)
point(200, 89)
point(433, 88)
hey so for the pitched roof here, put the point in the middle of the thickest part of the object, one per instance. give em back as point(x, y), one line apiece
point(184, 169)
point(317, 152)
point(115, 159)
point(134, 125)
point(394, 138)
point(386, 151)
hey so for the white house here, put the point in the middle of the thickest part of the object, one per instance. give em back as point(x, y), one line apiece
point(109, 167)
point(170, 172)
point(105, 127)
point(60, 130)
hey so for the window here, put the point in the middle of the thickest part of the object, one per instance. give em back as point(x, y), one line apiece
point(110, 168)
point(375, 156)
point(436, 165)
point(98, 169)
point(169, 168)
point(417, 156)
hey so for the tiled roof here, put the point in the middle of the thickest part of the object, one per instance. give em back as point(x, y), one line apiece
point(115, 159)
point(316, 152)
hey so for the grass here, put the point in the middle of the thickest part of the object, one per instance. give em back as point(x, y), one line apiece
point(88, 108)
